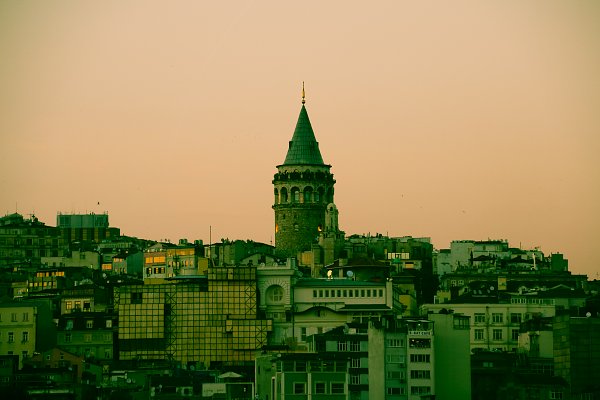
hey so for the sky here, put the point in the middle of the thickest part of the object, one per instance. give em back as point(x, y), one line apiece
point(450, 120)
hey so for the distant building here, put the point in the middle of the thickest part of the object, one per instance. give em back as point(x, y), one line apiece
point(23, 242)
point(302, 376)
point(25, 327)
point(85, 227)
point(577, 354)
point(493, 326)
point(87, 334)
point(200, 321)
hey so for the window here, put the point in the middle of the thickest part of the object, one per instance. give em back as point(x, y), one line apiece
point(419, 343)
point(69, 305)
point(136, 298)
point(87, 337)
point(368, 292)
point(89, 324)
point(420, 374)
point(395, 343)
point(497, 318)
point(420, 390)
point(515, 335)
point(422, 358)
point(109, 323)
point(497, 334)
point(355, 379)
point(479, 318)
point(11, 337)
point(355, 363)
point(488, 364)
point(478, 334)
point(395, 359)
point(555, 395)
point(395, 390)
point(107, 354)
point(320, 387)
point(354, 346)
point(68, 337)
point(380, 292)
point(299, 388)
point(25, 336)
point(25, 317)
point(342, 346)
point(314, 293)
point(276, 294)
point(395, 375)
point(515, 318)
point(13, 317)
point(337, 388)
point(303, 334)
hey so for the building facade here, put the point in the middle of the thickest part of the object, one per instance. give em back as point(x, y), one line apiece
point(203, 321)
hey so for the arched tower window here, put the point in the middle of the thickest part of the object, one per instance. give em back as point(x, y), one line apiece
point(319, 195)
point(276, 196)
point(295, 195)
point(284, 195)
point(308, 194)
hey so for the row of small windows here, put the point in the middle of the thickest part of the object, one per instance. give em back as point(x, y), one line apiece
point(320, 388)
point(348, 346)
point(307, 195)
point(496, 335)
point(14, 317)
point(11, 337)
point(327, 293)
point(498, 318)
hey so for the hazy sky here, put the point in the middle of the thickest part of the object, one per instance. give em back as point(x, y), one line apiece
point(452, 120)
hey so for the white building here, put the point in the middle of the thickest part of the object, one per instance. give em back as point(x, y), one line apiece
point(493, 326)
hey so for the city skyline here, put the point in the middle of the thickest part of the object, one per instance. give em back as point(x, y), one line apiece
point(451, 121)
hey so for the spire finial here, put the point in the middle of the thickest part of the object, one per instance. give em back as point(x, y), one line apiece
point(303, 94)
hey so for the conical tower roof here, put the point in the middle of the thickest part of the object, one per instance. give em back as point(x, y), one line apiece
point(304, 148)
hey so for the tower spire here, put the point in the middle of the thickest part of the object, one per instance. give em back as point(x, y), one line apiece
point(303, 94)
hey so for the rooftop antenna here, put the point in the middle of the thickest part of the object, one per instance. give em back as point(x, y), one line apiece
point(303, 94)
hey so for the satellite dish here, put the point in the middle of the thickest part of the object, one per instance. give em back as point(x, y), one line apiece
point(492, 288)
point(349, 274)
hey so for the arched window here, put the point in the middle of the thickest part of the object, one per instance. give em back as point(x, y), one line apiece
point(276, 196)
point(320, 195)
point(284, 195)
point(275, 294)
point(308, 194)
point(295, 195)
